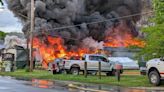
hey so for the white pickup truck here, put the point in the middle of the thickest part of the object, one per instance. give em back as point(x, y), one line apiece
point(75, 66)
point(155, 70)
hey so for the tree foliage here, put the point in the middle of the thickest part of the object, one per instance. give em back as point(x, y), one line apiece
point(155, 34)
point(2, 35)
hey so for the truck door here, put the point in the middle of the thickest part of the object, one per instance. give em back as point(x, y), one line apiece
point(92, 63)
point(161, 66)
point(105, 65)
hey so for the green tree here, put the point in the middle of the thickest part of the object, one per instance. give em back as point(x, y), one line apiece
point(155, 34)
point(2, 35)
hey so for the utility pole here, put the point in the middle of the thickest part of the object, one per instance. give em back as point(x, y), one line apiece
point(31, 35)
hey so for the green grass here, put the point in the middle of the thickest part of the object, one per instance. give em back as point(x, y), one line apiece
point(126, 80)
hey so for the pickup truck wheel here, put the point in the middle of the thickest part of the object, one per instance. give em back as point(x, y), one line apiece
point(154, 78)
point(75, 71)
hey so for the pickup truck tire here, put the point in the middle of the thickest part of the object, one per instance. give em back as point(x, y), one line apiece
point(75, 71)
point(154, 78)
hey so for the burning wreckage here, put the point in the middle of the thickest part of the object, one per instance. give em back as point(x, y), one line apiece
point(65, 28)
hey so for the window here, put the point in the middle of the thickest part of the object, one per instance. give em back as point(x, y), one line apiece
point(95, 58)
point(103, 59)
point(98, 58)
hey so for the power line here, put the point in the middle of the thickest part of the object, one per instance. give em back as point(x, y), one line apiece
point(22, 15)
point(71, 26)
point(65, 27)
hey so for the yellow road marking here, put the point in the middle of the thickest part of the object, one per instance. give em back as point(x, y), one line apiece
point(86, 89)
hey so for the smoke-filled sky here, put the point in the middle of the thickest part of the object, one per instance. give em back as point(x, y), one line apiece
point(50, 14)
point(8, 23)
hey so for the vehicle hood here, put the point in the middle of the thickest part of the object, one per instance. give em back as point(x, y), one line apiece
point(153, 61)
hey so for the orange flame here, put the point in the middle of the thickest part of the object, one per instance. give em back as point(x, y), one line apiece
point(54, 48)
point(122, 39)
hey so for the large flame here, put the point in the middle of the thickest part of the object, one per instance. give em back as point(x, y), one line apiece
point(51, 50)
point(53, 47)
point(123, 38)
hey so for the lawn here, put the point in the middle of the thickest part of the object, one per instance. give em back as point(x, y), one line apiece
point(126, 80)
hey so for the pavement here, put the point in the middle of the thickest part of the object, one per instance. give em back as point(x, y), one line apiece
point(9, 84)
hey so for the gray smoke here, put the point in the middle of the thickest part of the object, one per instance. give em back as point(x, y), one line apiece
point(11, 41)
point(51, 14)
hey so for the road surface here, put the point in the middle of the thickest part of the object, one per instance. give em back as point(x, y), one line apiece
point(8, 84)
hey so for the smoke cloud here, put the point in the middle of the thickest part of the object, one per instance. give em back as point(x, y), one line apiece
point(11, 41)
point(51, 14)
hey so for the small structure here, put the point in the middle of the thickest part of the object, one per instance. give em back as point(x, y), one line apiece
point(16, 46)
point(20, 56)
point(7, 62)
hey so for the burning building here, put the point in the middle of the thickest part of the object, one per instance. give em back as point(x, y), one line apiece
point(75, 27)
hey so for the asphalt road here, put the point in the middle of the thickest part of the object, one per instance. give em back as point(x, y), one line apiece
point(8, 84)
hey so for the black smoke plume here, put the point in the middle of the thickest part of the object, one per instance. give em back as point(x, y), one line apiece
point(52, 14)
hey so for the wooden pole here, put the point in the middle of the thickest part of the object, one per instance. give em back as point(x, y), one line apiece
point(99, 69)
point(85, 69)
point(118, 75)
point(31, 35)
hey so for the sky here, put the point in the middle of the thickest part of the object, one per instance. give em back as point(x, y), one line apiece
point(8, 23)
